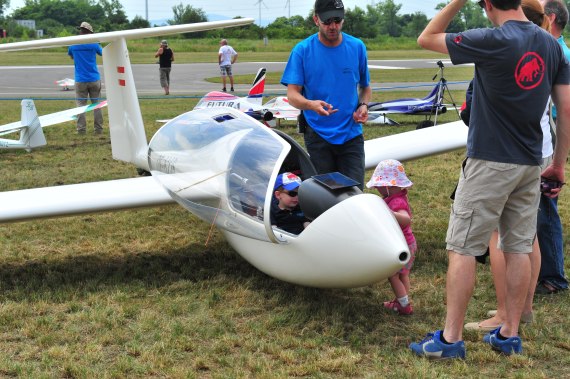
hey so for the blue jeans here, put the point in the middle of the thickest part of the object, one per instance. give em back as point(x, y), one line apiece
point(549, 232)
point(348, 158)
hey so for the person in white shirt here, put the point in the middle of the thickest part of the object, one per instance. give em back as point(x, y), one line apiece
point(226, 57)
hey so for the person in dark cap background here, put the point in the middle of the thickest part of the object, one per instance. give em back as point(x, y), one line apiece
point(165, 58)
point(87, 78)
point(327, 78)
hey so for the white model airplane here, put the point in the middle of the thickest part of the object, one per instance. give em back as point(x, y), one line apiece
point(30, 126)
point(65, 84)
point(275, 109)
point(221, 165)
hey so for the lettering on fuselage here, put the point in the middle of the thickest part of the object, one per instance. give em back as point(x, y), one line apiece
point(231, 104)
point(166, 164)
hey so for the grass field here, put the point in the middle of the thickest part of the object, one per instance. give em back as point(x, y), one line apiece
point(140, 293)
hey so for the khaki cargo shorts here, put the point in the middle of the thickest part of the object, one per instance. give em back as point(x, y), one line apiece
point(493, 195)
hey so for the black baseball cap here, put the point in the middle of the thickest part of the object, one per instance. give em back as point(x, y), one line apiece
point(327, 9)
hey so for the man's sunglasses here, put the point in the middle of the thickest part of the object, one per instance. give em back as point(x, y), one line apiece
point(336, 20)
point(291, 193)
point(481, 3)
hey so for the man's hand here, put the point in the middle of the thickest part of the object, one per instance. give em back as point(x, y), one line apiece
point(361, 114)
point(554, 173)
point(321, 107)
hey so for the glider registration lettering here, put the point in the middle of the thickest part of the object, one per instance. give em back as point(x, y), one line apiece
point(230, 104)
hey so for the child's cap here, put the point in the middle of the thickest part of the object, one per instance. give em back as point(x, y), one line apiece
point(389, 173)
point(288, 180)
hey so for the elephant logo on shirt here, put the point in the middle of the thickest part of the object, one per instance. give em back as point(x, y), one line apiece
point(530, 71)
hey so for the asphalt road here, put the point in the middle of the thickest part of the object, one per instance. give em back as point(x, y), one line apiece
point(186, 79)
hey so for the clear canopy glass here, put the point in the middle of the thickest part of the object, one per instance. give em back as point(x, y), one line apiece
point(220, 164)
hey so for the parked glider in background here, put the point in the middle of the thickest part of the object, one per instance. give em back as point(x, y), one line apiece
point(65, 84)
point(431, 105)
point(277, 108)
point(250, 103)
point(30, 126)
point(221, 165)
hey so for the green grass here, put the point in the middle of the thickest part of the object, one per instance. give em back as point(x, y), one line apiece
point(141, 294)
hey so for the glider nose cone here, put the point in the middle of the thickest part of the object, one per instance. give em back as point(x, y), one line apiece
point(357, 242)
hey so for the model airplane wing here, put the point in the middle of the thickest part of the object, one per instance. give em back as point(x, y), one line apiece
point(281, 108)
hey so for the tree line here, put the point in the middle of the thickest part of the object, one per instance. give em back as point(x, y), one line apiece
point(59, 18)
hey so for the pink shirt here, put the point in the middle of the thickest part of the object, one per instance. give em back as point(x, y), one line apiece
point(396, 203)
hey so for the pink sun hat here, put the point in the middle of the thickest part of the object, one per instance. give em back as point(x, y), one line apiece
point(389, 173)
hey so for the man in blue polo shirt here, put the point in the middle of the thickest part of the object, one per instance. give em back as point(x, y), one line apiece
point(517, 66)
point(327, 78)
point(87, 78)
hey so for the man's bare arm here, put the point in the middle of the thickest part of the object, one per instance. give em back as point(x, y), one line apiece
point(299, 101)
point(561, 98)
point(433, 36)
point(360, 115)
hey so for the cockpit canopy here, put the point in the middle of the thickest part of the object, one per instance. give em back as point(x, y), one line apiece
point(220, 164)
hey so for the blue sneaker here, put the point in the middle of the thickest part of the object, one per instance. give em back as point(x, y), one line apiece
point(512, 345)
point(432, 347)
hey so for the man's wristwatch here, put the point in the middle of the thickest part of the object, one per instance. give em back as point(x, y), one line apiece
point(361, 104)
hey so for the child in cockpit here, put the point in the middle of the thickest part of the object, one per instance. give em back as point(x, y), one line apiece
point(391, 181)
point(285, 211)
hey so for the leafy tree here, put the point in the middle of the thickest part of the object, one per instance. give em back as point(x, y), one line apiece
point(3, 5)
point(471, 16)
point(414, 24)
point(115, 16)
point(188, 15)
point(139, 23)
point(284, 27)
point(356, 25)
point(373, 19)
point(389, 19)
point(104, 15)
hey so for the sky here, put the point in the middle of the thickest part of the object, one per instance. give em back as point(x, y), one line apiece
point(270, 9)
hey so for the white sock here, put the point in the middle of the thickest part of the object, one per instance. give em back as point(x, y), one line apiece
point(404, 301)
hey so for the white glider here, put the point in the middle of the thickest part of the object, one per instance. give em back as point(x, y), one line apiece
point(220, 164)
point(30, 126)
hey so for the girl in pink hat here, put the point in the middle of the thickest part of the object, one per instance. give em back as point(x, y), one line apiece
point(391, 181)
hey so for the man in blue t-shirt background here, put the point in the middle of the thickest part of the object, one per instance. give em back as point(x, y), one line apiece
point(327, 78)
point(87, 78)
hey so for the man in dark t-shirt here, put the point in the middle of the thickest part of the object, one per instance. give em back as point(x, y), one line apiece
point(165, 58)
point(517, 66)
